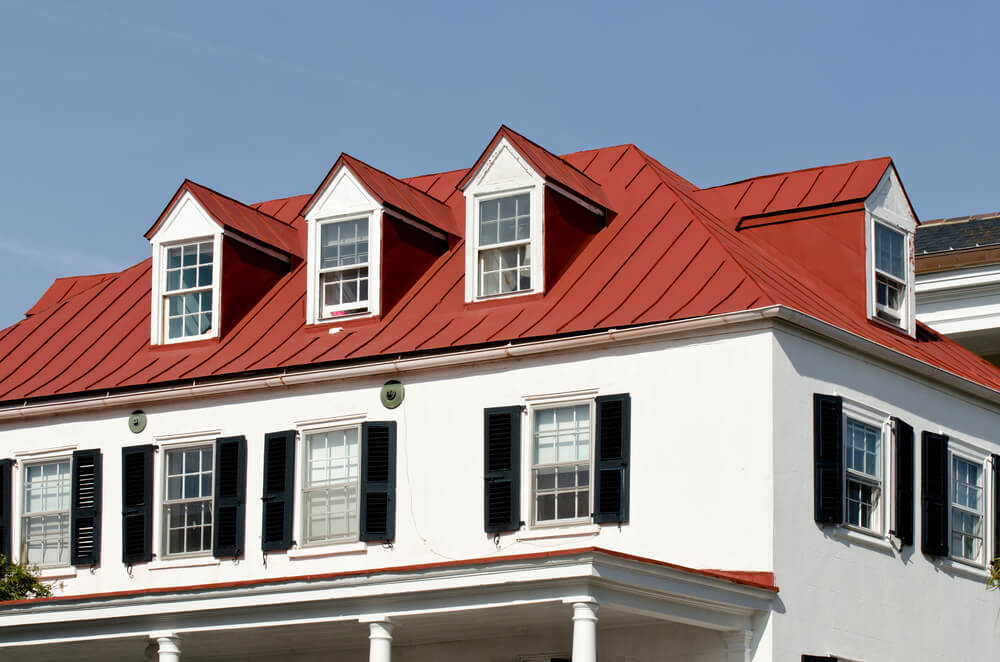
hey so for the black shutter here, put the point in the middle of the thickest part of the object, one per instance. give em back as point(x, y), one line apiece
point(614, 425)
point(378, 480)
point(904, 481)
point(502, 458)
point(6, 495)
point(818, 658)
point(996, 506)
point(230, 496)
point(85, 508)
point(137, 504)
point(828, 457)
point(279, 490)
point(934, 494)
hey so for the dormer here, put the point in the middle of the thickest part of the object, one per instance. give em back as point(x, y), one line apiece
point(527, 214)
point(214, 258)
point(890, 225)
point(370, 237)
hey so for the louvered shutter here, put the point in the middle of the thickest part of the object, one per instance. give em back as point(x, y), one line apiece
point(137, 504)
point(502, 454)
point(230, 496)
point(85, 508)
point(934, 494)
point(613, 425)
point(828, 457)
point(279, 490)
point(904, 482)
point(6, 496)
point(996, 506)
point(378, 480)
point(818, 658)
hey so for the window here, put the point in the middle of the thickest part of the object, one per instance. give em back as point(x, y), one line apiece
point(504, 258)
point(331, 485)
point(561, 464)
point(187, 502)
point(45, 525)
point(343, 267)
point(967, 510)
point(187, 292)
point(890, 273)
point(863, 475)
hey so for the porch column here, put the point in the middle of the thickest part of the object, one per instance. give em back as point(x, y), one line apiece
point(738, 645)
point(164, 647)
point(380, 636)
point(584, 629)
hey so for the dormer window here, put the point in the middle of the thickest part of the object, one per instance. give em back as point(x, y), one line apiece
point(504, 245)
point(889, 227)
point(890, 273)
point(187, 297)
point(343, 266)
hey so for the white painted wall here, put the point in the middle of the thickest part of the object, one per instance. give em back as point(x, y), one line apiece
point(700, 469)
point(839, 596)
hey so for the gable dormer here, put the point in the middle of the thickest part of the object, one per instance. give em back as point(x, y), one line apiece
point(527, 214)
point(213, 259)
point(370, 237)
point(890, 225)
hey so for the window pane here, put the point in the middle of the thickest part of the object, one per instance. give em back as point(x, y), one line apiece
point(173, 258)
point(344, 243)
point(889, 253)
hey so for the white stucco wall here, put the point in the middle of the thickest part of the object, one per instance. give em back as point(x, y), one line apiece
point(867, 601)
point(700, 464)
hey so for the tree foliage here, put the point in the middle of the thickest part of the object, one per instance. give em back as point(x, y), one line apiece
point(995, 573)
point(18, 581)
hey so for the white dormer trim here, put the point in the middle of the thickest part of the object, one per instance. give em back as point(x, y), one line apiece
point(186, 222)
point(889, 206)
point(343, 198)
point(504, 173)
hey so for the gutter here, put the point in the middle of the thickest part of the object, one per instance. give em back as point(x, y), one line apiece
point(402, 365)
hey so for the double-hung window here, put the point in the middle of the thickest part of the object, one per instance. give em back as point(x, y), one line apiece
point(331, 485)
point(187, 291)
point(187, 502)
point(343, 267)
point(562, 462)
point(504, 254)
point(863, 475)
point(967, 509)
point(890, 273)
point(45, 524)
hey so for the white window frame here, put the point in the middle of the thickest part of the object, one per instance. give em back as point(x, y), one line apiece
point(977, 456)
point(528, 453)
point(301, 492)
point(504, 173)
point(360, 308)
point(530, 242)
point(22, 550)
point(162, 503)
point(888, 205)
point(886, 452)
point(164, 295)
point(877, 273)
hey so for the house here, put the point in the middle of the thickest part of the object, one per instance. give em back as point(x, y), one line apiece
point(958, 270)
point(542, 407)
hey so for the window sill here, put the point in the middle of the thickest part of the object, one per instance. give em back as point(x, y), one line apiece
point(573, 531)
point(61, 572)
point(195, 562)
point(871, 540)
point(359, 547)
point(963, 568)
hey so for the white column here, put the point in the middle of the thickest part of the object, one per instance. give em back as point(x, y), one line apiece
point(585, 630)
point(738, 645)
point(164, 647)
point(380, 636)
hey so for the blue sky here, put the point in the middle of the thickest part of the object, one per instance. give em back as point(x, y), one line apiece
point(106, 107)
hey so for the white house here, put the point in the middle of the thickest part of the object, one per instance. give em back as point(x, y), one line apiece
point(537, 409)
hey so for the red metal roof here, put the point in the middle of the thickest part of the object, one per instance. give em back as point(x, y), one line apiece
point(64, 288)
point(670, 252)
point(235, 216)
point(397, 194)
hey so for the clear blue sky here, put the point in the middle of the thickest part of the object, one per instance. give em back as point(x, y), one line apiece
point(106, 107)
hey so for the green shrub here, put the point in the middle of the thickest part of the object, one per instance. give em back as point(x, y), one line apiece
point(18, 581)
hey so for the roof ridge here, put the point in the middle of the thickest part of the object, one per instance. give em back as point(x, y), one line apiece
point(792, 172)
point(234, 200)
point(658, 165)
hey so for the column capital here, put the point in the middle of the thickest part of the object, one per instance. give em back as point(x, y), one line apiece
point(164, 646)
point(583, 599)
point(374, 618)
